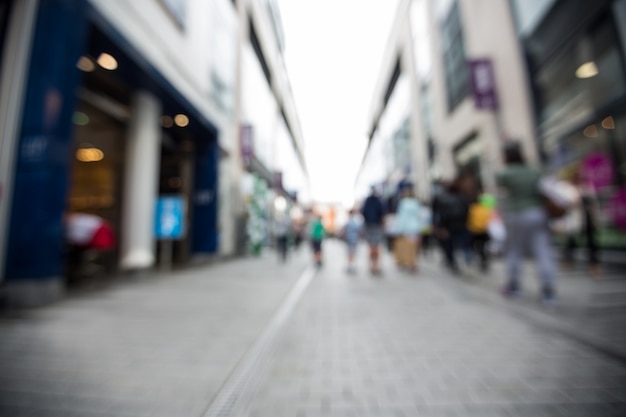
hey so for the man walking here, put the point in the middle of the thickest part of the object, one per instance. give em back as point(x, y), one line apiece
point(373, 216)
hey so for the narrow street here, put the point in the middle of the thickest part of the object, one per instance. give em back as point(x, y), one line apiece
point(254, 337)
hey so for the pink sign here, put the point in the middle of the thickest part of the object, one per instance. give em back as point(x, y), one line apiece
point(597, 170)
point(618, 208)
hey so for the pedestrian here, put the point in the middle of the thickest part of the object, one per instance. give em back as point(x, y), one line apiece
point(408, 228)
point(580, 224)
point(426, 219)
point(450, 211)
point(316, 235)
point(526, 222)
point(351, 235)
point(373, 216)
point(282, 229)
point(481, 212)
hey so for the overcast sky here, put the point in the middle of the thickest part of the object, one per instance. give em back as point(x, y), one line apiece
point(333, 57)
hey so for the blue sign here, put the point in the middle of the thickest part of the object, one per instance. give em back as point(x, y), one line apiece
point(169, 217)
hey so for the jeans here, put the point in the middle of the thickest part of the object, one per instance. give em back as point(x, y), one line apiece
point(528, 230)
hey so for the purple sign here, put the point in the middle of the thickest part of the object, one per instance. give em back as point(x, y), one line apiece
point(618, 208)
point(247, 144)
point(597, 170)
point(483, 82)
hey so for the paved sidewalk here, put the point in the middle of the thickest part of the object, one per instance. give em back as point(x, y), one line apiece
point(425, 345)
point(343, 345)
point(159, 346)
point(593, 310)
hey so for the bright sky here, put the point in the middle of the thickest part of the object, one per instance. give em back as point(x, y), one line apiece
point(333, 57)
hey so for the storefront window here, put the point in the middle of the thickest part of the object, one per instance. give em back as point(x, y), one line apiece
point(597, 153)
point(586, 75)
point(529, 13)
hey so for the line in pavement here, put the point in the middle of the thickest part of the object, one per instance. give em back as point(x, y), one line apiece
point(240, 383)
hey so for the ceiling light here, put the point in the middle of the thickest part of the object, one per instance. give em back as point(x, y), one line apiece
point(591, 131)
point(89, 155)
point(587, 70)
point(85, 64)
point(107, 61)
point(608, 123)
point(166, 121)
point(181, 120)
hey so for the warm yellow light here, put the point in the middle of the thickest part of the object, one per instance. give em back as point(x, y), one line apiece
point(181, 120)
point(166, 121)
point(107, 61)
point(587, 70)
point(591, 131)
point(89, 155)
point(85, 64)
point(608, 123)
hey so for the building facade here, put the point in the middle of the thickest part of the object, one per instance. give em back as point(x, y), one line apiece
point(576, 60)
point(464, 68)
point(110, 108)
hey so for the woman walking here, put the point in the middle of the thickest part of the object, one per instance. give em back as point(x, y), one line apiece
point(526, 223)
point(408, 228)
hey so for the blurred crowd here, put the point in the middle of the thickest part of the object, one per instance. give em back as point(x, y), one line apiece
point(469, 226)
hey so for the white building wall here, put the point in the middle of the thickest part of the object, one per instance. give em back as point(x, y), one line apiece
point(489, 32)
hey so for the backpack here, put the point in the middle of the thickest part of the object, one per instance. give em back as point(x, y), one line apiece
point(478, 218)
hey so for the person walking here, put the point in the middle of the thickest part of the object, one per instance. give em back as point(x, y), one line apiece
point(526, 222)
point(450, 210)
point(408, 228)
point(282, 229)
point(481, 212)
point(316, 235)
point(580, 222)
point(373, 216)
point(351, 235)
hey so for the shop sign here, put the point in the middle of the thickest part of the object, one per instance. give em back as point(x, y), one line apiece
point(169, 217)
point(483, 82)
point(597, 170)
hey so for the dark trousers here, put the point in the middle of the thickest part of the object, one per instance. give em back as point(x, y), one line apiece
point(479, 245)
point(281, 246)
point(456, 240)
point(591, 245)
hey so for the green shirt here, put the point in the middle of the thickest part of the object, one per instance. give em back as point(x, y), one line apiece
point(317, 230)
point(521, 184)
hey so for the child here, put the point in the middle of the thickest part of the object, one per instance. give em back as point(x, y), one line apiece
point(317, 234)
point(479, 216)
point(351, 233)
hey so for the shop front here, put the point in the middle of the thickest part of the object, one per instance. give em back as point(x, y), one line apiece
point(103, 133)
point(577, 64)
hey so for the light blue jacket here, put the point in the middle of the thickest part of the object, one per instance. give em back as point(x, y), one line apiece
point(408, 219)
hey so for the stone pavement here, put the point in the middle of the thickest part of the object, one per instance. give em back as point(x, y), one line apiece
point(255, 338)
point(161, 345)
point(405, 345)
point(591, 310)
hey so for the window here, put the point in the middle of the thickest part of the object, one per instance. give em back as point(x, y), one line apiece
point(455, 67)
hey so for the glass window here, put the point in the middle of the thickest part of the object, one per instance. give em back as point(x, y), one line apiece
point(587, 75)
point(529, 13)
point(455, 67)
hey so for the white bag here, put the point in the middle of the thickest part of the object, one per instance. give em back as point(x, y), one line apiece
point(497, 236)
